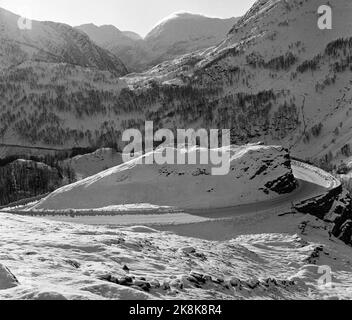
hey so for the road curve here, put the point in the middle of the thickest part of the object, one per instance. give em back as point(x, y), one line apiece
point(312, 182)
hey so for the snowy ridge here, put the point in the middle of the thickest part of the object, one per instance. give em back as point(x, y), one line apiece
point(177, 34)
point(256, 173)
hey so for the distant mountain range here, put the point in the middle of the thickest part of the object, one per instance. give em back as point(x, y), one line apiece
point(274, 77)
point(175, 35)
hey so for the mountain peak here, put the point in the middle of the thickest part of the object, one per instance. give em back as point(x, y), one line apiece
point(182, 16)
point(132, 35)
point(185, 25)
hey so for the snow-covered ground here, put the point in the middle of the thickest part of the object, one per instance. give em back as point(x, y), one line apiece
point(265, 257)
point(254, 173)
point(258, 250)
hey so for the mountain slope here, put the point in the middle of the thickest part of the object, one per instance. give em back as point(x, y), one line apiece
point(256, 173)
point(105, 35)
point(176, 35)
point(182, 33)
point(129, 46)
point(51, 42)
point(275, 77)
point(90, 164)
point(132, 35)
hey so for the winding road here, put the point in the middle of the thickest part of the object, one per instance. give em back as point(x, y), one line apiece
point(312, 182)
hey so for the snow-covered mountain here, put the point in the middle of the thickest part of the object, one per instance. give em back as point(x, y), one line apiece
point(256, 173)
point(175, 35)
point(108, 35)
point(275, 77)
point(51, 42)
point(127, 45)
point(132, 35)
point(184, 32)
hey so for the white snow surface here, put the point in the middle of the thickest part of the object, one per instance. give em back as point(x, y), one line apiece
point(263, 258)
point(180, 186)
point(227, 253)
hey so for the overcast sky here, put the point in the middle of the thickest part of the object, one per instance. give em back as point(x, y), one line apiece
point(132, 15)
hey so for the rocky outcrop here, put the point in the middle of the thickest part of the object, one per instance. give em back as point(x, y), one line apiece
point(283, 185)
point(287, 182)
point(341, 216)
point(344, 232)
point(7, 279)
point(334, 207)
point(198, 280)
point(320, 206)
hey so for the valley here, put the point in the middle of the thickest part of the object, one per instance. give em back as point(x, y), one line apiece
point(78, 222)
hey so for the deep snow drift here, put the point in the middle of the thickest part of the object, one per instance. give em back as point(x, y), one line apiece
point(256, 173)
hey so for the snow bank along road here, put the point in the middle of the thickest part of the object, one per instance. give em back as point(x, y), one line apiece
point(312, 181)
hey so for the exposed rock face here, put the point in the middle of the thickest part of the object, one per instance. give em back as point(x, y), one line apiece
point(345, 232)
point(286, 183)
point(341, 215)
point(320, 206)
point(334, 207)
point(283, 185)
point(7, 279)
